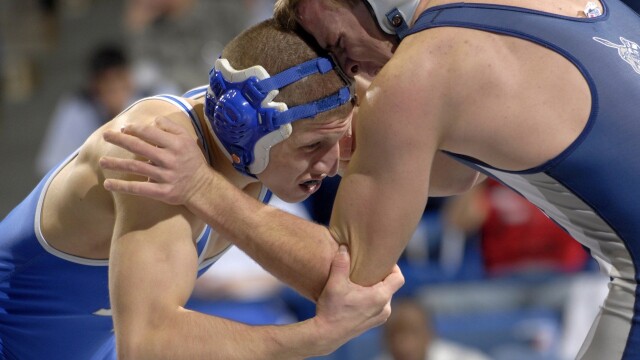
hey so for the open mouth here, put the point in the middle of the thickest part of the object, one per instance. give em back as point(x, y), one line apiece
point(310, 186)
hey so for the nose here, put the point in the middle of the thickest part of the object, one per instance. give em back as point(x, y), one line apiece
point(329, 162)
point(351, 68)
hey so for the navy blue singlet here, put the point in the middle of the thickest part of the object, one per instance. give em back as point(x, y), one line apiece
point(589, 189)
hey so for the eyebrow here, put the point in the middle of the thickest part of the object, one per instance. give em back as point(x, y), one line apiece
point(304, 140)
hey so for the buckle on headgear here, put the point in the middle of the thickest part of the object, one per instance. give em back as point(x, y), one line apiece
point(252, 93)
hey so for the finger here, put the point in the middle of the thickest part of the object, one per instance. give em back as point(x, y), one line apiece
point(393, 281)
point(152, 134)
point(340, 267)
point(386, 312)
point(132, 144)
point(166, 124)
point(135, 167)
point(134, 187)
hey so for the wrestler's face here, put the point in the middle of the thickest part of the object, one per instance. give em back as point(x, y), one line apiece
point(350, 34)
point(298, 164)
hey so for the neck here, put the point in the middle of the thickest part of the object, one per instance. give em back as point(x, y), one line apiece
point(219, 159)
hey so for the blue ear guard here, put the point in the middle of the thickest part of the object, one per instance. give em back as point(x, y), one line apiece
point(245, 120)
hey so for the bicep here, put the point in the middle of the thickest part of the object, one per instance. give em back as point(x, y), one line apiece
point(152, 264)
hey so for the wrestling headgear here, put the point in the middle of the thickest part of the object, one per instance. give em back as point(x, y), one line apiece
point(246, 122)
point(394, 16)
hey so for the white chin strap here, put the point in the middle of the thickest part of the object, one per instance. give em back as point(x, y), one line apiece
point(393, 15)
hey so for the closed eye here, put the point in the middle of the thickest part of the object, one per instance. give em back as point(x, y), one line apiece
point(336, 45)
point(311, 147)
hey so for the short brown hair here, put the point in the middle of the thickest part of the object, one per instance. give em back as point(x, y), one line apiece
point(277, 49)
point(284, 11)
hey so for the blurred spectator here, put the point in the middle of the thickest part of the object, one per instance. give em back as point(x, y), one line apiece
point(174, 43)
point(515, 235)
point(109, 89)
point(409, 335)
point(24, 35)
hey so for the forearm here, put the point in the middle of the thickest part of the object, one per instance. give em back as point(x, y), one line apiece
point(296, 251)
point(184, 334)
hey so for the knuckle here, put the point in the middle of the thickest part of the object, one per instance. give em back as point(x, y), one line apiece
point(164, 178)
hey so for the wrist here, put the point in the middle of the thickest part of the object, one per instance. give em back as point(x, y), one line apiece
point(325, 339)
point(204, 179)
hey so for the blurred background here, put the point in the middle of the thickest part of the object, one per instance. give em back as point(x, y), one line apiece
point(488, 276)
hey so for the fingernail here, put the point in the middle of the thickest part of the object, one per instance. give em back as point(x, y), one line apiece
point(122, 129)
point(342, 249)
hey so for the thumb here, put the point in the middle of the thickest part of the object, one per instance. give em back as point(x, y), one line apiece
point(340, 266)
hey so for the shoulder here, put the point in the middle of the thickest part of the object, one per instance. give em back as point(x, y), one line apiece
point(146, 110)
point(448, 69)
point(419, 82)
point(149, 211)
point(450, 52)
point(142, 113)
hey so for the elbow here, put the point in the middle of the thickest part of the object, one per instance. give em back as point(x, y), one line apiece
point(316, 290)
point(322, 268)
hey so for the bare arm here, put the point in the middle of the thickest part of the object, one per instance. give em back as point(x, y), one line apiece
point(153, 267)
point(378, 205)
point(296, 251)
point(389, 174)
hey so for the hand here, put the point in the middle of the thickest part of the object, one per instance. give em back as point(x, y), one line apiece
point(176, 166)
point(345, 309)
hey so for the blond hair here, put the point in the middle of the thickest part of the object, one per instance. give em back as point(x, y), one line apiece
point(277, 49)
